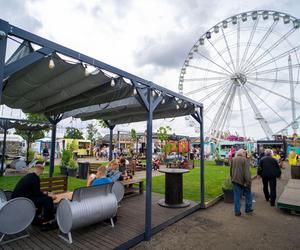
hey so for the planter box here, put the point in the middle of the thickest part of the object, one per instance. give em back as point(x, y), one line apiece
point(219, 162)
point(72, 172)
point(63, 170)
point(295, 172)
point(228, 195)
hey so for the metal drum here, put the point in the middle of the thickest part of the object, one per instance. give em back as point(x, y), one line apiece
point(89, 205)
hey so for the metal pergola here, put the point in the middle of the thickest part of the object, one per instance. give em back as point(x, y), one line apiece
point(40, 81)
point(20, 124)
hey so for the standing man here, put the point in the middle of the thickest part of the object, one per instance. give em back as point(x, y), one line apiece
point(269, 170)
point(241, 180)
point(45, 153)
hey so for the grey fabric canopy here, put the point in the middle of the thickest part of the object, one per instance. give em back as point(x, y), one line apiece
point(130, 110)
point(66, 88)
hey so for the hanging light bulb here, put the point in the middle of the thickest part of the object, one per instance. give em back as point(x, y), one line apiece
point(51, 64)
point(179, 101)
point(163, 101)
point(153, 93)
point(86, 72)
point(177, 106)
point(185, 106)
point(112, 83)
point(134, 91)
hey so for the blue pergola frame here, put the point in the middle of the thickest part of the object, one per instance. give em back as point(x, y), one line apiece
point(47, 48)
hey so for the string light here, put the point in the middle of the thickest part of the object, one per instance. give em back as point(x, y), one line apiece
point(86, 72)
point(163, 101)
point(51, 64)
point(134, 91)
point(177, 106)
point(112, 83)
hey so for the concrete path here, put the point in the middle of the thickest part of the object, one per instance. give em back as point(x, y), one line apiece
point(217, 227)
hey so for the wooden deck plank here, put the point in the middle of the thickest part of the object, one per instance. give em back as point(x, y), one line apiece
point(130, 224)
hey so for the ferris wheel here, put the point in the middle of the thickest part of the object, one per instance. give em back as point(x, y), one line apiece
point(245, 70)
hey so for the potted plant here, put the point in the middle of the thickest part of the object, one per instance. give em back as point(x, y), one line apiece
point(219, 161)
point(228, 191)
point(226, 162)
point(39, 160)
point(65, 159)
point(72, 168)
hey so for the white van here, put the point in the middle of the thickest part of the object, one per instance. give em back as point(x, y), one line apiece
point(15, 145)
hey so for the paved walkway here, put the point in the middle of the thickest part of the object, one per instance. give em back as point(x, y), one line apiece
point(218, 228)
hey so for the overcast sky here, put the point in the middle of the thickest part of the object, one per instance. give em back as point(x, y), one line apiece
point(150, 39)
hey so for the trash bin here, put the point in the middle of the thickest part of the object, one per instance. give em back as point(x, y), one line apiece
point(83, 170)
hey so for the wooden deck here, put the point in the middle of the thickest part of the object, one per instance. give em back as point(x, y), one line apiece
point(128, 230)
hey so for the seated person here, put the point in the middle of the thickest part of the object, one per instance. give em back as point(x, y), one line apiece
point(113, 170)
point(122, 168)
point(184, 162)
point(29, 187)
point(156, 163)
point(98, 178)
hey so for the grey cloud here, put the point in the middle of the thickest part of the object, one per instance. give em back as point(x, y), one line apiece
point(15, 12)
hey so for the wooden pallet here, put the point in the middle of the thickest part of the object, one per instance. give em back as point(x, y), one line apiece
point(290, 197)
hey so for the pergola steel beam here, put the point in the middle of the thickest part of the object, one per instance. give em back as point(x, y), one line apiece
point(4, 26)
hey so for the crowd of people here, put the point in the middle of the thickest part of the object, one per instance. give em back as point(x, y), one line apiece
point(269, 164)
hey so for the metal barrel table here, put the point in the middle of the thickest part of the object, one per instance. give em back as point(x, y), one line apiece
point(173, 188)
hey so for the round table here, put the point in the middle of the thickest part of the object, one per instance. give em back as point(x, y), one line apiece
point(173, 188)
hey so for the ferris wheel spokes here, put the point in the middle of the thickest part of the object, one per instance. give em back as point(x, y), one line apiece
point(271, 91)
point(263, 79)
point(206, 87)
point(214, 62)
point(264, 102)
point(280, 56)
point(261, 42)
point(277, 69)
point(228, 50)
point(213, 93)
point(208, 70)
point(249, 42)
point(284, 37)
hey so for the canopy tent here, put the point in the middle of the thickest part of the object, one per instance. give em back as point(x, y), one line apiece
point(23, 125)
point(43, 81)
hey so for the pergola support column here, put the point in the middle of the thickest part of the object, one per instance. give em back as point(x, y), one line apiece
point(53, 120)
point(198, 116)
point(3, 151)
point(111, 129)
point(4, 26)
point(150, 103)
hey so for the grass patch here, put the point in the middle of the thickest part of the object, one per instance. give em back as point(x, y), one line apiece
point(9, 182)
point(214, 177)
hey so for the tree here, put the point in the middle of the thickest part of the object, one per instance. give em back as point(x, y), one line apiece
point(163, 135)
point(102, 123)
point(92, 132)
point(135, 137)
point(73, 133)
point(34, 135)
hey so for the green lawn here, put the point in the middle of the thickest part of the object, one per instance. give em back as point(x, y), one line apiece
point(213, 176)
point(9, 182)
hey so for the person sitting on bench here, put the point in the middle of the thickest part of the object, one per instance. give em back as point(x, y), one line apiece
point(98, 178)
point(29, 187)
point(113, 170)
point(184, 162)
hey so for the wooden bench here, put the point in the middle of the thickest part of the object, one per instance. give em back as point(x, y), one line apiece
point(129, 186)
point(54, 184)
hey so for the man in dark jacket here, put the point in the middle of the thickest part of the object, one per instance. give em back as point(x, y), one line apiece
point(29, 187)
point(241, 180)
point(269, 170)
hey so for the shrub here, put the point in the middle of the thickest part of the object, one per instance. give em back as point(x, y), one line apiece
point(227, 184)
point(73, 164)
point(66, 157)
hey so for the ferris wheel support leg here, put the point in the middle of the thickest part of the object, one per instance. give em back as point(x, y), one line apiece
point(263, 123)
point(292, 93)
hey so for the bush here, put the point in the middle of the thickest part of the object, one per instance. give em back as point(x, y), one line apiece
point(73, 164)
point(39, 158)
point(30, 155)
point(66, 157)
point(227, 184)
